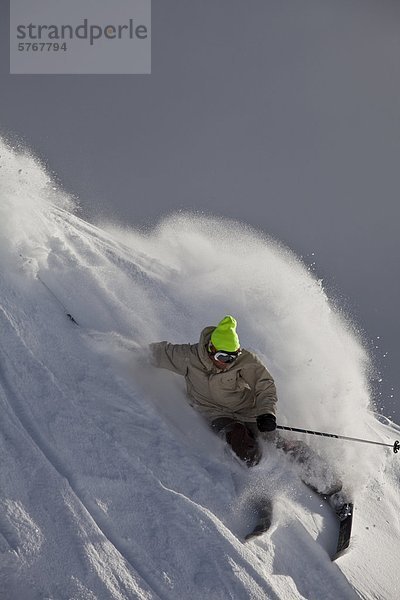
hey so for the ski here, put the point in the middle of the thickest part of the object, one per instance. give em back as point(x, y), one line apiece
point(264, 520)
point(345, 516)
point(262, 527)
point(317, 475)
point(332, 495)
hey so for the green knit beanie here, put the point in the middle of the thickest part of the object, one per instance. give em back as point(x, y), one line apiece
point(224, 336)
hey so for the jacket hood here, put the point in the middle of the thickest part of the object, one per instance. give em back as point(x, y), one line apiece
point(205, 337)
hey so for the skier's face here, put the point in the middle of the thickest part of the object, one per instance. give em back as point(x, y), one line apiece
point(227, 358)
point(220, 365)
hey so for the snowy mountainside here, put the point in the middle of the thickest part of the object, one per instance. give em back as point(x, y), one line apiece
point(110, 485)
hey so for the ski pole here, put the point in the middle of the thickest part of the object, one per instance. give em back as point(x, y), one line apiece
point(58, 300)
point(395, 447)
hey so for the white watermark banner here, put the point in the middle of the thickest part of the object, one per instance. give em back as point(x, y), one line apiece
point(80, 36)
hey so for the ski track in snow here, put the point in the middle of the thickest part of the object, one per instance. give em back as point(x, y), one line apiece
point(110, 485)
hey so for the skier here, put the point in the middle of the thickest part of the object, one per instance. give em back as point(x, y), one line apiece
point(234, 391)
point(227, 384)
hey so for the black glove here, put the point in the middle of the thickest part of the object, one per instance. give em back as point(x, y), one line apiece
point(266, 422)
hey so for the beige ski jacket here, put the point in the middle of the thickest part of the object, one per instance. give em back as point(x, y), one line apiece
point(243, 391)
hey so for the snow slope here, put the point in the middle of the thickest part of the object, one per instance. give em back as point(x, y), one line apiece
point(110, 485)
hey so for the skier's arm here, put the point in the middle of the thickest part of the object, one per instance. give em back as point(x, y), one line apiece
point(170, 356)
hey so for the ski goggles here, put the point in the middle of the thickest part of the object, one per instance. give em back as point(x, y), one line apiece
point(223, 356)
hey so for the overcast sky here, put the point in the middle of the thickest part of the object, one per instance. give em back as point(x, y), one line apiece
point(282, 114)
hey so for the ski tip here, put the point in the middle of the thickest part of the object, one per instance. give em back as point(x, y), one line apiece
point(345, 516)
point(341, 552)
point(259, 530)
point(254, 534)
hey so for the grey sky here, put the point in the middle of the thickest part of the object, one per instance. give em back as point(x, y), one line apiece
point(284, 114)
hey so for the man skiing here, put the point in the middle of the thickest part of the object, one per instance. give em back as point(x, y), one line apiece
point(228, 385)
point(234, 391)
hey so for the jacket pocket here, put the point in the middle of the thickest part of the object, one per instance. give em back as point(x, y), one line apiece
point(226, 381)
point(232, 380)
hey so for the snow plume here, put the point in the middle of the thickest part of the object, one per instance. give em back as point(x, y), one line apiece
point(26, 192)
point(186, 273)
point(220, 267)
point(112, 486)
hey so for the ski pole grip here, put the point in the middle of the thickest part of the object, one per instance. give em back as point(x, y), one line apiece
point(396, 446)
